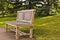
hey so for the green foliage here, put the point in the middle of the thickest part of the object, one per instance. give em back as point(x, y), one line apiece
point(2, 8)
point(48, 9)
point(11, 7)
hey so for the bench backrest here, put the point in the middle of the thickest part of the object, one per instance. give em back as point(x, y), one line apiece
point(26, 15)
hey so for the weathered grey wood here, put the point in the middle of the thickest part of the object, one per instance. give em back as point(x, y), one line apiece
point(31, 31)
point(17, 34)
point(24, 18)
point(20, 32)
point(28, 15)
point(6, 27)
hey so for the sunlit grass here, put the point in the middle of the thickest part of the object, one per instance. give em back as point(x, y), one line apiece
point(47, 28)
point(3, 20)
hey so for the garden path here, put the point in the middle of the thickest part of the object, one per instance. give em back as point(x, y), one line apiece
point(11, 35)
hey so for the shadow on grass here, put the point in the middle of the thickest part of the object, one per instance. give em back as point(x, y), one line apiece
point(41, 16)
point(40, 31)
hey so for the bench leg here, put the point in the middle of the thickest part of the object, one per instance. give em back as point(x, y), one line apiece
point(31, 31)
point(17, 35)
point(6, 27)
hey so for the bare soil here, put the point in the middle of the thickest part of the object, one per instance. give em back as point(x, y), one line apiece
point(11, 35)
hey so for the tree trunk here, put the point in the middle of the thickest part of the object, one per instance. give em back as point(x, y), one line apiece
point(3, 13)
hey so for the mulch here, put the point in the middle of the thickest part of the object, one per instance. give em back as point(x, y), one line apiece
point(11, 35)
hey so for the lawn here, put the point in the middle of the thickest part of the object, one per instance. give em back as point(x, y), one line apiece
point(45, 28)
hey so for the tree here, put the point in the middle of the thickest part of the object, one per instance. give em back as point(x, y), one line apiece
point(2, 7)
point(11, 6)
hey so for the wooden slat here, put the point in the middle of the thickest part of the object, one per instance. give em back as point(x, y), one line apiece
point(20, 32)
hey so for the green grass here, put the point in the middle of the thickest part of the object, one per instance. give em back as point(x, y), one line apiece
point(3, 20)
point(45, 28)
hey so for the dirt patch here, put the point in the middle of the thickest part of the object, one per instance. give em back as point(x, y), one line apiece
point(11, 35)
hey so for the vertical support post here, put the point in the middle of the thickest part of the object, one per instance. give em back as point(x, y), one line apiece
point(17, 35)
point(6, 27)
point(31, 31)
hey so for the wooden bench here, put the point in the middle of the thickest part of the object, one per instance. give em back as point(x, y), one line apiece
point(24, 18)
